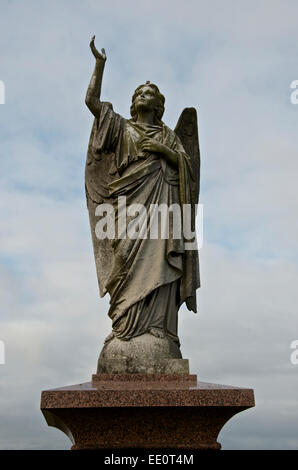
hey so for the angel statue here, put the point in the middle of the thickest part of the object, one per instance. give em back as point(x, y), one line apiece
point(144, 164)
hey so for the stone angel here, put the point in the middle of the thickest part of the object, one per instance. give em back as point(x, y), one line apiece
point(142, 163)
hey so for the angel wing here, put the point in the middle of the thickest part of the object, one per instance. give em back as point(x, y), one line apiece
point(187, 131)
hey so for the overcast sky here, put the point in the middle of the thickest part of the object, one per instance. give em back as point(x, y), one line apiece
point(234, 61)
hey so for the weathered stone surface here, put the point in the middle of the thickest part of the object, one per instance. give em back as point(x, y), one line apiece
point(149, 274)
point(145, 354)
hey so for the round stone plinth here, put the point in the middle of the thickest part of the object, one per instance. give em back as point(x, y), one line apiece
point(145, 354)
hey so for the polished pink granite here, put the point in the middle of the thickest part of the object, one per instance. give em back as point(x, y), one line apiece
point(142, 411)
point(144, 380)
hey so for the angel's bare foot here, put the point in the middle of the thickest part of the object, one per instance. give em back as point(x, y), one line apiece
point(156, 332)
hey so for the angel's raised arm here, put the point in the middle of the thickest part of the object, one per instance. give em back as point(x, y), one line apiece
point(93, 93)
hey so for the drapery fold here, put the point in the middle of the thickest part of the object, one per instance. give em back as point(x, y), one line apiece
point(141, 268)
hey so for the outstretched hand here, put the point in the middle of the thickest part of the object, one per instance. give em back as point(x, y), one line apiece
point(100, 56)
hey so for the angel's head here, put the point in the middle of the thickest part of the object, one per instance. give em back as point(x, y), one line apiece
point(147, 96)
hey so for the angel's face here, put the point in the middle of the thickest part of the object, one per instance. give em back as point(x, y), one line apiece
point(146, 99)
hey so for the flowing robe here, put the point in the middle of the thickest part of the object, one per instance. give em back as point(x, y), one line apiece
point(147, 279)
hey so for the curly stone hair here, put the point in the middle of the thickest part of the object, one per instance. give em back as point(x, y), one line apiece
point(161, 101)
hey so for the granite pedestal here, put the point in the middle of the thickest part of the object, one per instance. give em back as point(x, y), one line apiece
point(159, 411)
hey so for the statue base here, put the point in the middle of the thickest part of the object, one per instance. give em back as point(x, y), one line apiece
point(154, 411)
point(144, 354)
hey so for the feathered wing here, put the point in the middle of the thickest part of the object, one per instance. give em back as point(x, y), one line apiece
point(187, 131)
